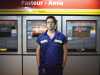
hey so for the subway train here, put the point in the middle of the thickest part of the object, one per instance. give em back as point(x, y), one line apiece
point(81, 33)
point(21, 24)
point(18, 36)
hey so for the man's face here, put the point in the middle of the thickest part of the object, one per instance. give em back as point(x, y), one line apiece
point(50, 24)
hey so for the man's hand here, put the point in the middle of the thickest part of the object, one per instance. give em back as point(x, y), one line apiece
point(38, 64)
point(63, 65)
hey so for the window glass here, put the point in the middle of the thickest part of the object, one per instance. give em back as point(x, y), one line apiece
point(8, 36)
point(34, 29)
point(81, 35)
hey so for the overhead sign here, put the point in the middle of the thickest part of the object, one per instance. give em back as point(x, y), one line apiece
point(50, 4)
point(70, 7)
point(42, 2)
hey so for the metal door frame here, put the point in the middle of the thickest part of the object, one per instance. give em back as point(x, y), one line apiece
point(18, 18)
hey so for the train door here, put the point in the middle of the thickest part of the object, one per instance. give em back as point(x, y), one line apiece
point(10, 45)
point(10, 35)
point(33, 26)
point(82, 32)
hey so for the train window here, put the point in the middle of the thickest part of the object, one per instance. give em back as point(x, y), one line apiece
point(81, 35)
point(8, 36)
point(34, 29)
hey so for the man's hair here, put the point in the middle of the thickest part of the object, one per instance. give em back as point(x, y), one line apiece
point(50, 16)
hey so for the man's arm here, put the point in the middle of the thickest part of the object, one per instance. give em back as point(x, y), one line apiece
point(64, 54)
point(38, 55)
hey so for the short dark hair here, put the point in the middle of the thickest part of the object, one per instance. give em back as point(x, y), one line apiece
point(50, 16)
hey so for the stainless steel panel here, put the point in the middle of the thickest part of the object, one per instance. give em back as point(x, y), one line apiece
point(25, 18)
point(82, 65)
point(10, 65)
point(18, 18)
point(30, 65)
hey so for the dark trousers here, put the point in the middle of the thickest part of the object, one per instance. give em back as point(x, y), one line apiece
point(51, 71)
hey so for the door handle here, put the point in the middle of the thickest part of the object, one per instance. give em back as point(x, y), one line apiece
point(80, 49)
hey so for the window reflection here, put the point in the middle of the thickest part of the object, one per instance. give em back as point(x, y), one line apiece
point(81, 35)
point(8, 36)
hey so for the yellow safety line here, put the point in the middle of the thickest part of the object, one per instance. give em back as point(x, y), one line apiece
point(52, 11)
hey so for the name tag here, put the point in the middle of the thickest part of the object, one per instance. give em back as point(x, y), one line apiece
point(59, 41)
point(43, 41)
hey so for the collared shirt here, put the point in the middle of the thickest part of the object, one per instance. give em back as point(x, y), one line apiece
point(51, 49)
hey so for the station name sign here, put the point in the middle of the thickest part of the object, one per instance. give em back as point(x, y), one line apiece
point(50, 4)
point(59, 2)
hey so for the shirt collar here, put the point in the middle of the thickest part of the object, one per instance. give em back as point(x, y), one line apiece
point(57, 32)
point(45, 32)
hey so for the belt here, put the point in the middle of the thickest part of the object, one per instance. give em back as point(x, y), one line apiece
point(51, 68)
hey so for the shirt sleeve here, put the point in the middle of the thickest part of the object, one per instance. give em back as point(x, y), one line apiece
point(38, 41)
point(64, 40)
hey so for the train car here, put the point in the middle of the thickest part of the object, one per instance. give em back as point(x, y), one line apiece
point(22, 21)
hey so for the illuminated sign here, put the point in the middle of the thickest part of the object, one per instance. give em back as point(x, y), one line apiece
point(42, 2)
point(50, 4)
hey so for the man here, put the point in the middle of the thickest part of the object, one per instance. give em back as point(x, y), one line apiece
point(51, 52)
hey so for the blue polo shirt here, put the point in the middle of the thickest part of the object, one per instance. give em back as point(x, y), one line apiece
point(51, 49)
